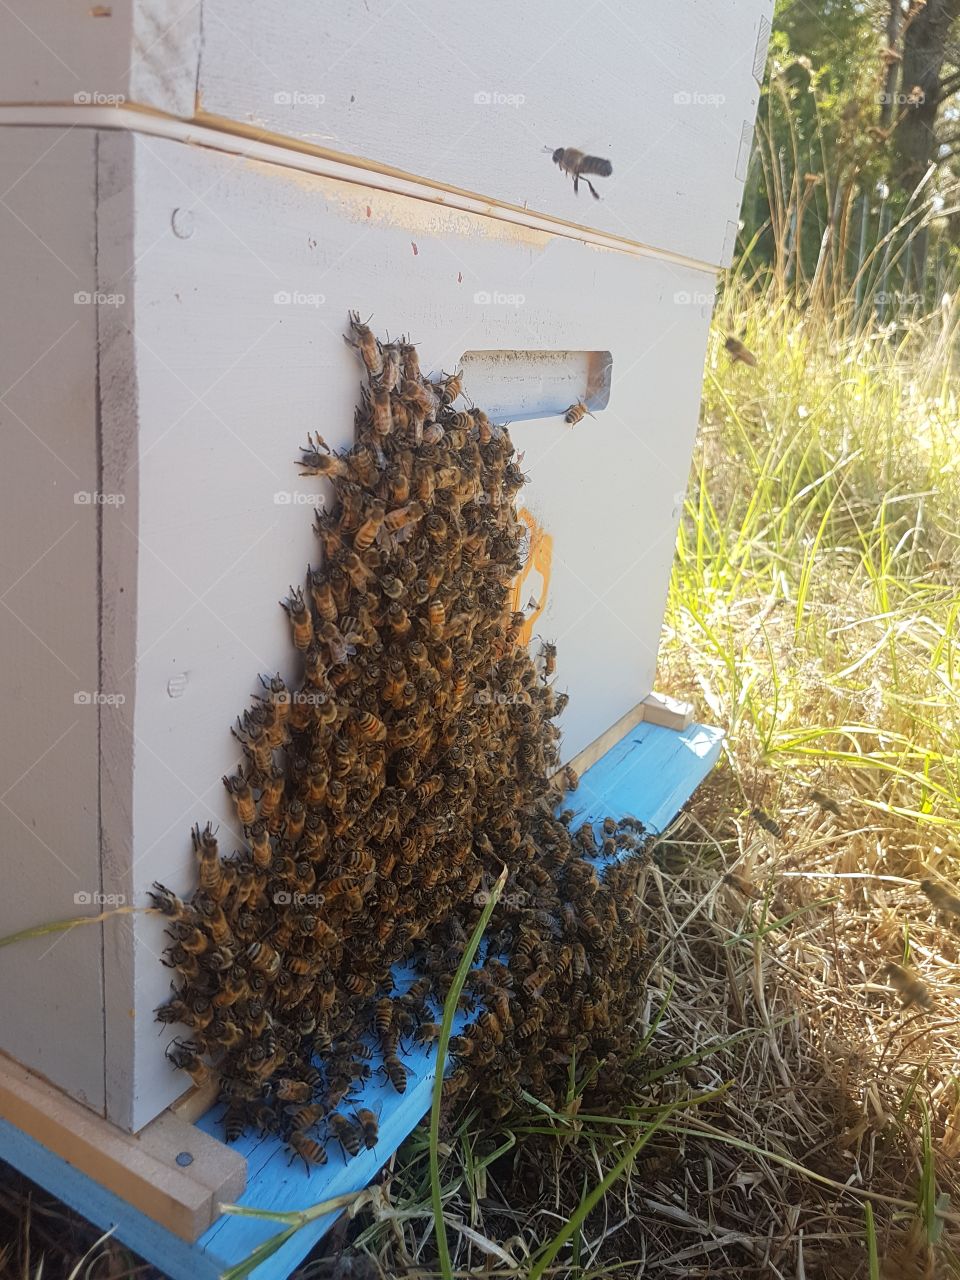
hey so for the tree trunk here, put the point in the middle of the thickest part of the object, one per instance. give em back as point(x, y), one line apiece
point(888, 97)
point(924, 47)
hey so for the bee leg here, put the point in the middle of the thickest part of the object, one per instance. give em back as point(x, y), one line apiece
point(593, 191)
point(576, 183)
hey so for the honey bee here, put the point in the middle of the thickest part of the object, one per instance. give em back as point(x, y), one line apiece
point(183, 1054)
point(383, 1017)
point(941, 898)
point(395, 1072)
point(170, 904)
point(264, 958)
point(403, 517)
point(369, 1127)
point(346, 1133)
point(409, 361)
point(196, 1013)
point(308, 1149)
point(576, 413)
point(911, 989)
point(301, 619)
point(321, 593)
point(415, 394)
point(390, 355)
point(739, 353)
point(293, 1090)
point(450, 387)
point(370, 728)
point(317, 460)
point(364, 537)
point(578, 165)
point(234, 1122)
point(826, 802)
point(304, 1118)
point(381, 411)
point(367, 345)
point(764, 820)
point(242, 795)
point(260, 845)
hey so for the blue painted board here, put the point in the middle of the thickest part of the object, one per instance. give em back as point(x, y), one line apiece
point(649, 774)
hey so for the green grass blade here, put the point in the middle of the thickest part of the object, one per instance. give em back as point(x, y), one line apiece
point(449, 1009)
point(873, 1257)
point(587, 1202)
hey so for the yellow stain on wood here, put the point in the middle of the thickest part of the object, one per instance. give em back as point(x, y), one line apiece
point(537, 567)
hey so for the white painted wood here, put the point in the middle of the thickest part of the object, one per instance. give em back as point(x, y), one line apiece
point(225, 270)
point(143, 51)
point(242, 277)
point(233, 140)
point(671, 713)
point(469, 95)
point(466, 96)
point(53, 997)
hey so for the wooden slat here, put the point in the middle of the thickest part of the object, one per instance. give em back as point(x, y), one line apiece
point(583, 760)
point(669, 713)
point(194, 1103)
point(141, 1168)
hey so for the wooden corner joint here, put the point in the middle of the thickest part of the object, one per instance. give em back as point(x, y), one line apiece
point(171, 1171)
point(669, 713)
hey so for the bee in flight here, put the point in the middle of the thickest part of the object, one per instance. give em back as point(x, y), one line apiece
point(740, 354)
point(578, 165)
point(910, 987)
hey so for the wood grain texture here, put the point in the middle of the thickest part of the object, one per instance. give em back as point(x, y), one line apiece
point(142, 1170)
point(470, 97)
point(143, 51)
point(595, 750)
point(53, 992)
point(236, 358)
point(671, 713)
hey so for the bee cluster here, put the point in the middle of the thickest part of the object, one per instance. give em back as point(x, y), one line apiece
point(382, 795)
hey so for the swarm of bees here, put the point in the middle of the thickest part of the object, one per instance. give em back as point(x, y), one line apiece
point(380, 797)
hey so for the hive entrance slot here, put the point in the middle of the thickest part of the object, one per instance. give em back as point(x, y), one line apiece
point(519, 385)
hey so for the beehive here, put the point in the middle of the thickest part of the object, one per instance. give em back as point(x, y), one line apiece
point(195, 197)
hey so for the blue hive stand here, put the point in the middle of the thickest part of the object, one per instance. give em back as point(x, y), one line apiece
point(649, 773)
